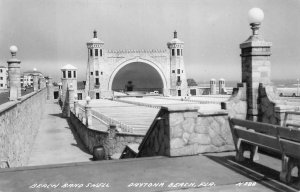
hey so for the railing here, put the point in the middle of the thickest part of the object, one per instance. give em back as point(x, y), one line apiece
point(103, 119)
point(295, 122)
point(190, 100)
point(140, 103)
point(124, 127)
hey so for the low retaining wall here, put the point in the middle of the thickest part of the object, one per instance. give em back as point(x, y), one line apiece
point(112, 141)
point(20, 121)
point(181, 130)
point(193, 133)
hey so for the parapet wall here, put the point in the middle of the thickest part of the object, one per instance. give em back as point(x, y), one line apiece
point(112, 141)
point(19, 126)
point(182, 130)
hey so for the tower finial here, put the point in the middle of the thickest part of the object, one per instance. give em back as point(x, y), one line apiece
point(95, 34)
point(175, 34)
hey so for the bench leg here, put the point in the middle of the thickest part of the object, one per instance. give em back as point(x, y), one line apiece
point(240, 151)
point(254, 153)
point(287, 165)
point(298, 176)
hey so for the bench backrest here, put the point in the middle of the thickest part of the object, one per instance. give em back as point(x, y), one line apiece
point(256, 126)
point(262, 134)
point(289, 140)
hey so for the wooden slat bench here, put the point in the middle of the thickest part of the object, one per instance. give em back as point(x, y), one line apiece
point(286, 122)
point(249, 136)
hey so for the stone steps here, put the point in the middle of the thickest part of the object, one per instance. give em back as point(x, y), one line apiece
point(137, 118)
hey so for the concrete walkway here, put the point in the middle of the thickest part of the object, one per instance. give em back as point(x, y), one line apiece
point(55, 142)
point(186, 174)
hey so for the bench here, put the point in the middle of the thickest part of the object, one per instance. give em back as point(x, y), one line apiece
point(249, 136)
point(286, 122)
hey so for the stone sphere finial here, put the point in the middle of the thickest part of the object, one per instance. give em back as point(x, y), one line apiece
point(13, 50)
point(255, 15)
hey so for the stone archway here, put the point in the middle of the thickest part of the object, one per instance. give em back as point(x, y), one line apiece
point(148, 64)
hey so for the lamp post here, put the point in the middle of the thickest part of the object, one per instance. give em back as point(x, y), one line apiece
point(255, 17)
point(256, 65)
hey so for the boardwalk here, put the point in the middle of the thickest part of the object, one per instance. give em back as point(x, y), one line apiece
point(55, 142)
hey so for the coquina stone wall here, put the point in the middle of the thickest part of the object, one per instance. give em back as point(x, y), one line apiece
point(19, 124)
point(186, 131)
point(272, 109)
point(194, 132)
point(237, 103)
point(112, 141)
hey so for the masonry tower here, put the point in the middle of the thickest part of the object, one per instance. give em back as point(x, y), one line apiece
point(178, 83)
point(221, 86)
point(94, 67)
point(69, 77)
point(213, 86)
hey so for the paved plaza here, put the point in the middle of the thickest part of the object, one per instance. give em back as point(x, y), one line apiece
point(55, 142)
point(216, 169)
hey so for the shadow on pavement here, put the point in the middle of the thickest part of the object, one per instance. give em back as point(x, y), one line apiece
point(58, 115)
point(254, 171)
point(79, 142)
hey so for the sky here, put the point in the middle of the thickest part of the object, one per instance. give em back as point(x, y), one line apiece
point(53, 33)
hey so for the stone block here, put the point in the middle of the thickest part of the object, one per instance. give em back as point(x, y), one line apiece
point(176, 118)
point(188, 125)
point(177, 143)
point(185, 137)
point(202, 139)
point(201, 129)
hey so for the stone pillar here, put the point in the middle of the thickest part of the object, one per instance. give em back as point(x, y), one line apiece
point(71, 97)
point(14, 75)
point(66, 105)
point(213, 87)
point(256, 65)
point(42, 83)
point(35, 82)
point(221, 86)
point(76, 107)
point(50, 91)
point(111, 139)
point(88, 113)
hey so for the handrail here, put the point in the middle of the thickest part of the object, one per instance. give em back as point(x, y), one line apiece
point(100, 120)
point(191, 100)
point(140, 103)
